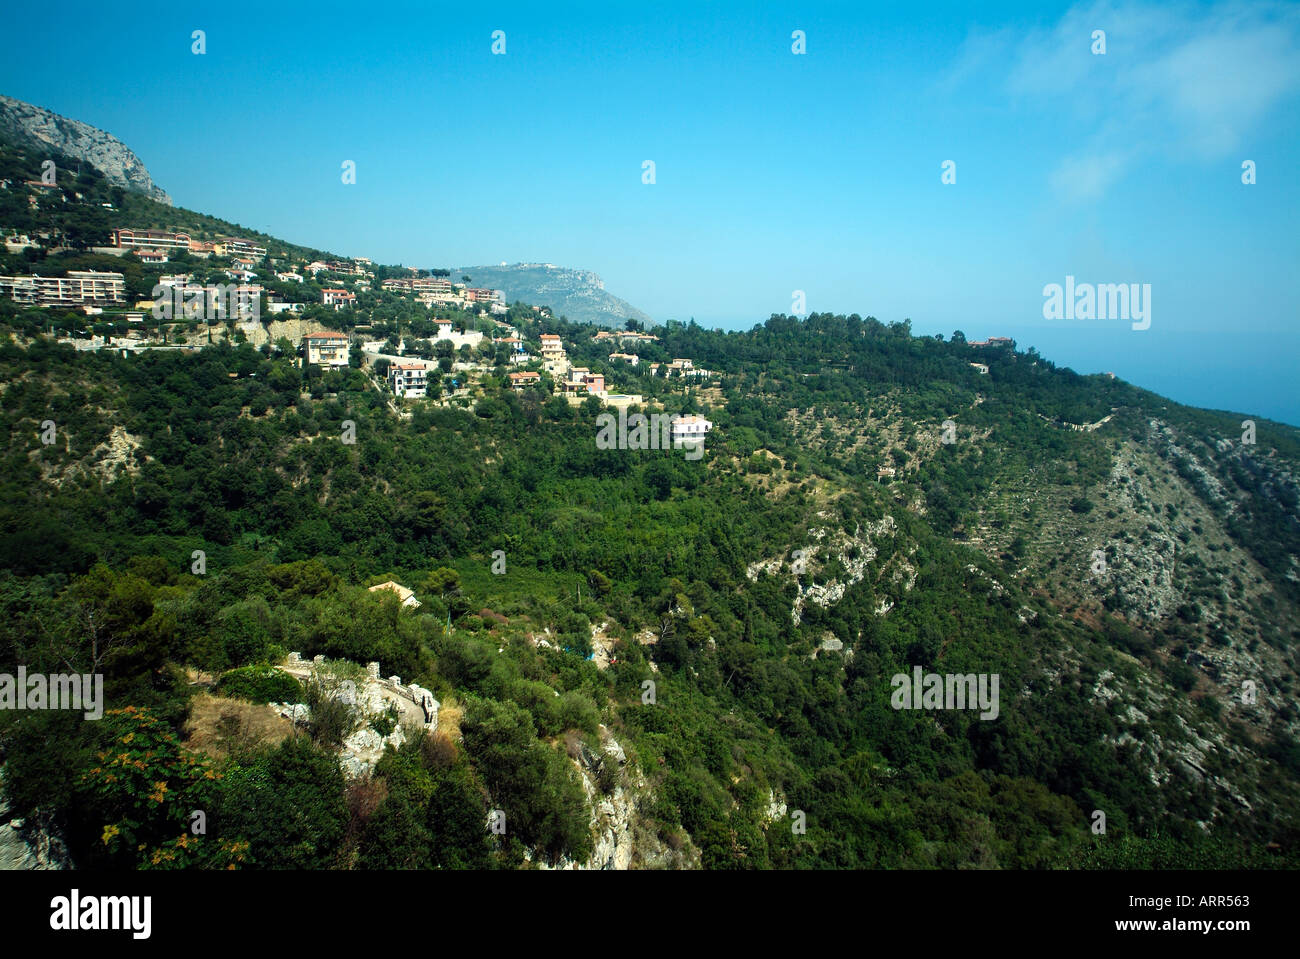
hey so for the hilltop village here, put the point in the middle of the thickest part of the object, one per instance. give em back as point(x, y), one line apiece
point(419, 334)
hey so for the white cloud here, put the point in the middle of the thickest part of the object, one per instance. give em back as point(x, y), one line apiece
point(1088, 176)
point(1186, 79)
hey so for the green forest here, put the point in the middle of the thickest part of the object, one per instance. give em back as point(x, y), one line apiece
point(239, 453)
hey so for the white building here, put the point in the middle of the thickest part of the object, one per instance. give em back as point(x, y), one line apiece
point(77, 287)
point(552, 348)
point(554, 360)
point(337, 298)
point(445, 332)
point(687, 428)
point(408, 380)
point(235, 246)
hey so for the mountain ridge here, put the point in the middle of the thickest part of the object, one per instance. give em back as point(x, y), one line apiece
point(578, 294)
point(36, 127)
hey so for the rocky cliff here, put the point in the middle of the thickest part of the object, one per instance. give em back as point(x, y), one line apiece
point(27, 845)
point(37, 128)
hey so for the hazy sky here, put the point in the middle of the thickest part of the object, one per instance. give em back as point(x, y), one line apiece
point(774, 171)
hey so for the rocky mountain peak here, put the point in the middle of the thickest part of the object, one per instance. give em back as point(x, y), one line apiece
point(37, 128)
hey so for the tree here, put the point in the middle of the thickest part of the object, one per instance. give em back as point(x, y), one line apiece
point(288, 804)
point(533, 783)
point(143, 790)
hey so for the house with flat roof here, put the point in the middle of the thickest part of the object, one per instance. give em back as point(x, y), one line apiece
point(326, 349)
point(151, 239)
point(74, 289)
point(409, 380)
point(236, 246)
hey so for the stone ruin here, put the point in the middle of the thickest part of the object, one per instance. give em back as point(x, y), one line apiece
point(371, 697)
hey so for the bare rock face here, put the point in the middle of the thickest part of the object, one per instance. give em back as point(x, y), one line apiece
point(25, 845)
point(36, 128)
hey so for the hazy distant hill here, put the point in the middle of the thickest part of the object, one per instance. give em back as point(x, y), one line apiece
point(578, 294)
point(35, 127)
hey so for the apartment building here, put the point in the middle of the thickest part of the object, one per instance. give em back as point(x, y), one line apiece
point(247, 300)
point(326, 349)
point(624, 337)
point(150, 239)
point(176, 297)
point(554, 360)
point(431, 297)
point(408, 380)
point(235, 246)
point(74, 289)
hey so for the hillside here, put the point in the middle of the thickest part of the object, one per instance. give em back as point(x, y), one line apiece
point(48, 133)
point(87, 205)
point(579, 295)
point(769, 591)
point(639, 659)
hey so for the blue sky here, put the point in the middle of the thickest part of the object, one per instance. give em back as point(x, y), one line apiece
point(775, 172)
